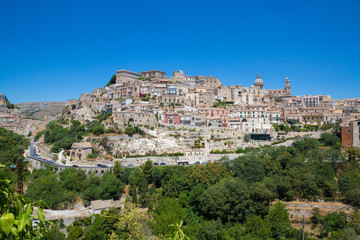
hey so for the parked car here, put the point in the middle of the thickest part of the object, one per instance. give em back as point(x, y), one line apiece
point(102, 165)
point(162, 164)
point(130, 165)
point(156, 164)
point(75, 165)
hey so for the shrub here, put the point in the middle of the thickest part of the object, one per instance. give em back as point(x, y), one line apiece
point(91, 155)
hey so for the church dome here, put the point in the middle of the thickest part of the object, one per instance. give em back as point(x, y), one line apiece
point(259, 82)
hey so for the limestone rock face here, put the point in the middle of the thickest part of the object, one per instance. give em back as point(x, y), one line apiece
point(40, 110)
point(84, 114)
point(144, 146)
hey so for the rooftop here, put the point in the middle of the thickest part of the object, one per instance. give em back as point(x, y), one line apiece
point(81, 145)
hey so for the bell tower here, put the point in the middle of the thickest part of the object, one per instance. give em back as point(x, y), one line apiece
point(287, 86)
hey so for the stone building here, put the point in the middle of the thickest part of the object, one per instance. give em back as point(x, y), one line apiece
point(135, 118)
point(249, 95)
point(259, 82)
point(356, 133)
point(314, 115)
point(154, 75)
point(172, 118)
point(224, 93)
point(2, 99)
point(210, 82)
point(80, 150)
point(310, 101)
point(178, 76)
point(350, 133)
point(281, 92)
point(124, 76)
point(145, 87)
point(346, 136)
point(220, 116)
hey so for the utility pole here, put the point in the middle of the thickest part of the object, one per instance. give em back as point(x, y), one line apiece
point(303, 231)
point(20, 177)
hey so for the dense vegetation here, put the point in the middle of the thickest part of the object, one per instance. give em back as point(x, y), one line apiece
point(294, 126)
point(62, 137)
point(16, 211)
point(12, 148)
point(62, 191)
point(223, 200)
point(222, 104)
point(61, 134)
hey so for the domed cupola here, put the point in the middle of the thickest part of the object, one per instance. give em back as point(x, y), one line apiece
point(259, 82)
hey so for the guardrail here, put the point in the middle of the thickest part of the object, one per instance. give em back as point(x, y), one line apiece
point(38, 163)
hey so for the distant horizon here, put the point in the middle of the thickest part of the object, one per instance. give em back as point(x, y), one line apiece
point(54, 51)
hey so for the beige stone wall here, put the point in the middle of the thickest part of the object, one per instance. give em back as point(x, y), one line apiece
point(135, 118)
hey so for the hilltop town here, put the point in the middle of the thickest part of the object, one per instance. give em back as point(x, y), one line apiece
point(141, 121)
point(149, 114)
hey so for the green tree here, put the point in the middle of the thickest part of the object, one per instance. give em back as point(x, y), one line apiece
point(353, 153)
point(147, 169)
point(315, 217)
point(227, 200)
point(257, 227)
point(349, 185)
point(74, 179)
point(112, 80)
point(135, 177)
point(54, 233)
point(111, 187)
point(97, 229)
point(354, 220)
point(284, 188)
point(167, 211)
point(250, 170)
point(49, 189)
point(196, 196)
point(133, 223)
point(278, 218)
point(117, 169)
point(333, 222)
point(212, 229)
point(331, 140)
point(305, 144)
point(208, 174)
point(143, 192)
point(261, 197)
point(74, 232)
point(215, 202)
point(157, 176)
point(98, 130)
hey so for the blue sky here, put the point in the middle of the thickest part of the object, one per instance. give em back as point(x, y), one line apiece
point(56, 50)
